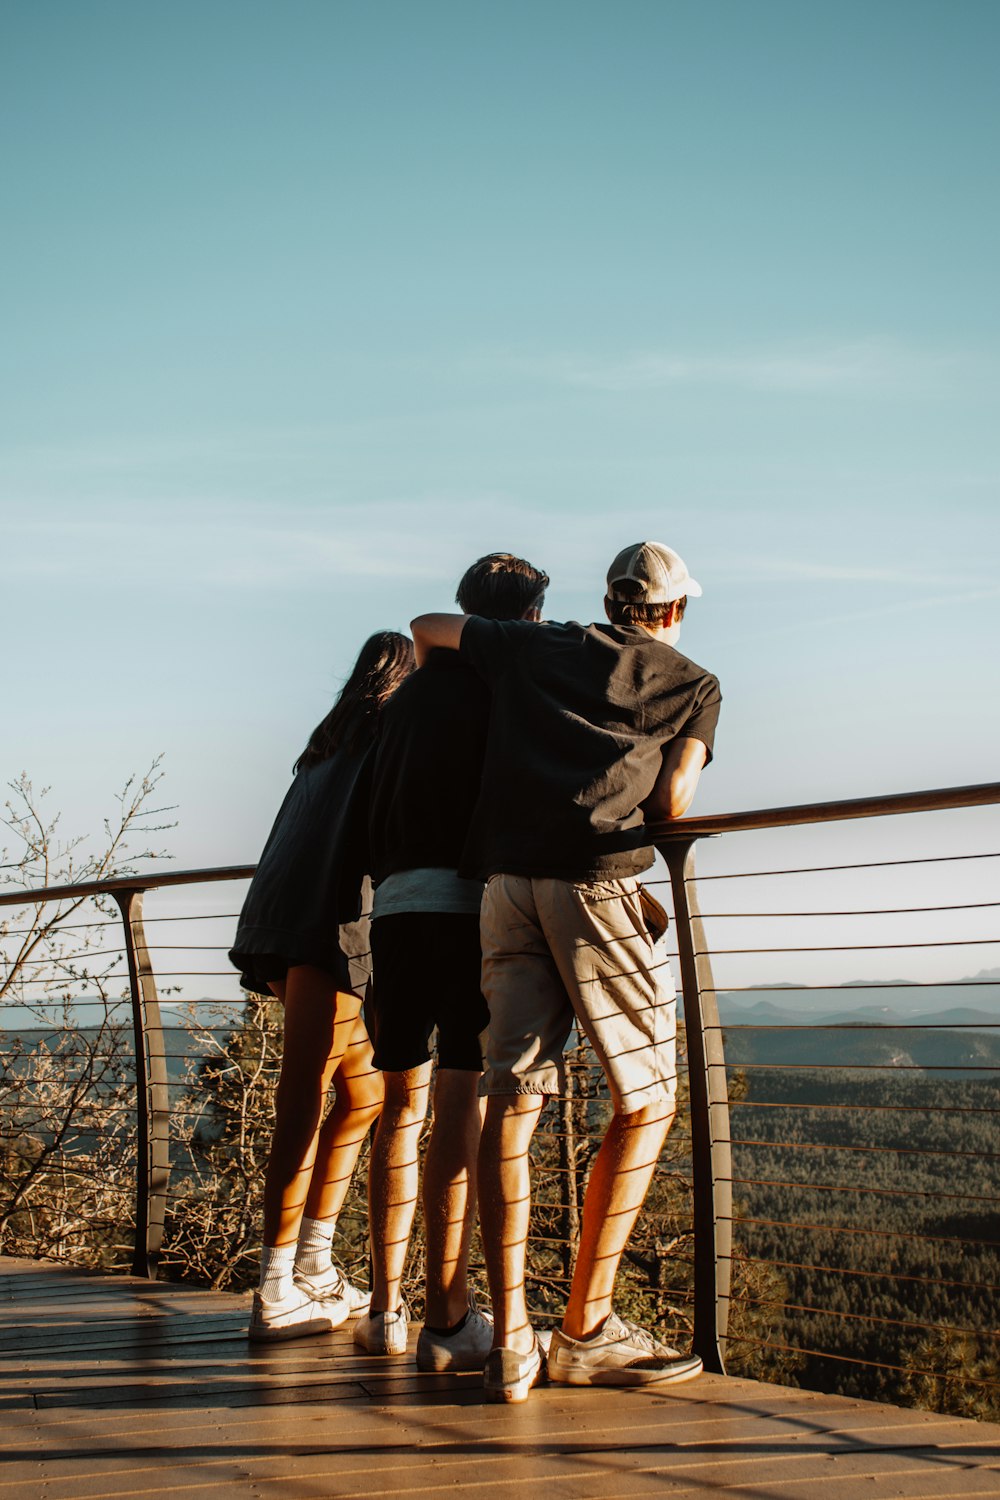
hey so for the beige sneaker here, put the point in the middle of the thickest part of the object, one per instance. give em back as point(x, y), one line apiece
point(622, 1353)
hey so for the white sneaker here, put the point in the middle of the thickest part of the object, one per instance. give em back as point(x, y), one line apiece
point(383, 1332)
point(620, 1354)
point(334, 1283)
point(509, 1376)
point(299, 1315)
point(465, 1350)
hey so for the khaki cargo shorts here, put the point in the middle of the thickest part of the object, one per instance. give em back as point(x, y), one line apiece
point(555, 952)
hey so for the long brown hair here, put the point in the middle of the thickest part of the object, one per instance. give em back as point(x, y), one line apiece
point(384, 661)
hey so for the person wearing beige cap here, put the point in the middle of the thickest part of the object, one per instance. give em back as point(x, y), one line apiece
point(594, 729)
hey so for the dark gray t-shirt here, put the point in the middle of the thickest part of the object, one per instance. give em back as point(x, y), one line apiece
point(580, 716)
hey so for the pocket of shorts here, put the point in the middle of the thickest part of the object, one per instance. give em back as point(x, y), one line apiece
point(593, 891)
point(653, 914)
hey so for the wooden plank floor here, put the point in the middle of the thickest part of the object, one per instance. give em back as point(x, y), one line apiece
point(110, 1386)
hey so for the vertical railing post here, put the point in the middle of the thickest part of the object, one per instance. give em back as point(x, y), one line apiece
point(710, 1149)
point(152, 1103)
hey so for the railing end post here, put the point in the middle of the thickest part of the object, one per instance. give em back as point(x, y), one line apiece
point(152, 1104)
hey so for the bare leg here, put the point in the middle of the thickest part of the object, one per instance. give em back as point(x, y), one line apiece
point(450, 1193)
point(619, 1179)
point(359, 1094)
point(392, 1181)
point(504, 1209)
point(318, 1025)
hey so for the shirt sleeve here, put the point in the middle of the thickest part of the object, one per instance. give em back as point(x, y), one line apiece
point(491, 645)
point(705, 715)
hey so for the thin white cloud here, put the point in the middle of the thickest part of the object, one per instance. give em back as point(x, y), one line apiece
point(876, 612)
point(423, 538)
point(228, 545)
point(867, 367)
point(788, 569)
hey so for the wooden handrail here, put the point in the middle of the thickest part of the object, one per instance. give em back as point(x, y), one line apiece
point(940, 800)
point(147, 881)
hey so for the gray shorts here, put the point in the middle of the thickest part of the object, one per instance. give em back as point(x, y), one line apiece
point(555, 952)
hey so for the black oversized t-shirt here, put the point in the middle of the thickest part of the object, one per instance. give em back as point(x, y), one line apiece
point(428, 765)
point(581, 714)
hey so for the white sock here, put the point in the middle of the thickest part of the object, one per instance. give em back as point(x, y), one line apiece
point(277, 1263)
point(312, 1254)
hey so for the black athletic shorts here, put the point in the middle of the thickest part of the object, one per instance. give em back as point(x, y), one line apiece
point(426, 975)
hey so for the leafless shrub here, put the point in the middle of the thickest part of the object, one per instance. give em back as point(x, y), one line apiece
point(67, 1066)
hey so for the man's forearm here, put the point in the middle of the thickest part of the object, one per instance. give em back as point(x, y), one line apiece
point(677, 782)
point(430, 631)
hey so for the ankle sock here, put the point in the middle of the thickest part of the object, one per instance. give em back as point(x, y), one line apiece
point(277, 1262)
point(447, 1333)
point(312, 1253)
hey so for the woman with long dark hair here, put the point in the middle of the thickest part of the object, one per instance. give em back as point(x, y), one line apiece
point(299, 937)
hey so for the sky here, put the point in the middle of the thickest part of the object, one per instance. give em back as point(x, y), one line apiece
point(307, 305)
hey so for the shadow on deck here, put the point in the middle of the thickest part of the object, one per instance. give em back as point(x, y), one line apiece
point(112, 1386)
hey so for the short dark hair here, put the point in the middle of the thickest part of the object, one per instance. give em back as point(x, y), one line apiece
point(620, 612)
point(501, 586)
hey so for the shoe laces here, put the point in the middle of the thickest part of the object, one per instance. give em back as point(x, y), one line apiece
point(332, 1281)
point(641, 1337)
point(476, 1310)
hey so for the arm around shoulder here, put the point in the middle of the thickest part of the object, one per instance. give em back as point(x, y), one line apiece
point(430, 631)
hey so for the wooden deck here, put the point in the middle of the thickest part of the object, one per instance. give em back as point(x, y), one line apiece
point(118, 1387)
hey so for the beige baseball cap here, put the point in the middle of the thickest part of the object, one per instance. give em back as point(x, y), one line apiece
point(660, 572)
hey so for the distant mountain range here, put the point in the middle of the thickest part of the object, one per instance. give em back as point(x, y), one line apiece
point(869, 1045)
point(974, 1001)
point(868, 1024)
point(863, 1024)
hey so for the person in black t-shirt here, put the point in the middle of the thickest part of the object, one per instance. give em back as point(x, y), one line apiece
point(427, 962)
point(593, 728)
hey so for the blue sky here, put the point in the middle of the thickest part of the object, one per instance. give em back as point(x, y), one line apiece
point(307, 305)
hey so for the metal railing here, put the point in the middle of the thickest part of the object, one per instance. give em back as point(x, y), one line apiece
point(710, 1074)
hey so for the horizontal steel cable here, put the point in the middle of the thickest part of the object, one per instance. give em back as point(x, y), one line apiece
point(155, 947)
point(826, 1187)
point(214, 916)
point(872, 864)
point(867, 911)
point(59, 927)
point(829, 1312)
point(740, 1254)
point(870, 1150)
point(84, 954)
point(220, 916)
point(850, 947)
point(887, 1109)
point(879, 1027)
point(853, 1067)
point(871, 1364)
point(908, 986)
point(882, 1234)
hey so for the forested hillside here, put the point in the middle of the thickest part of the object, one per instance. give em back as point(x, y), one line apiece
point(876, 1195)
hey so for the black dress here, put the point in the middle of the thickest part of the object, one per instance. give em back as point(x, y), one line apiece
point(309, 879)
